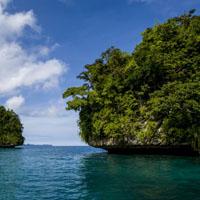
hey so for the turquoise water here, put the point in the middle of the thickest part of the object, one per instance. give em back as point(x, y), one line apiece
point(64, 173)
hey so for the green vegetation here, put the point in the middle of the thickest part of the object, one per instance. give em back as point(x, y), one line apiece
point(10, 128)
point(151, 96)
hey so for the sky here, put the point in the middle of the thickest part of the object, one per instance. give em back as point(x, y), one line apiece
point(44, 45)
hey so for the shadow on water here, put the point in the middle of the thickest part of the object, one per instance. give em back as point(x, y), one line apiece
point(153, 177)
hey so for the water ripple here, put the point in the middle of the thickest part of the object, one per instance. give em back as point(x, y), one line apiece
point(62, 173)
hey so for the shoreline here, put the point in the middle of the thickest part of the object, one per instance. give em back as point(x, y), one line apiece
point(7, 146)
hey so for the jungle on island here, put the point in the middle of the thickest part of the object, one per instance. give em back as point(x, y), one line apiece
point(10, 128)
point(149, 96)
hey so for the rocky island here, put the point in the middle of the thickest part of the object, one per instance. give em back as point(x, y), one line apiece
point(147, 101)
point(10, 129)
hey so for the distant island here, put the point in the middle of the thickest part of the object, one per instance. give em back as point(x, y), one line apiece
point(147, 101)
point(10, 129)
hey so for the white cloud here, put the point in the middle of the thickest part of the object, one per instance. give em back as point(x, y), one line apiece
point(12, 25)
point(47, 123)
point(3, 3)
point(44, 50)
point(15, 102)
point(48, 110)
point(19, 67)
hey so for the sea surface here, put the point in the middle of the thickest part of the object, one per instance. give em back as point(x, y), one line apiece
point(65, 173)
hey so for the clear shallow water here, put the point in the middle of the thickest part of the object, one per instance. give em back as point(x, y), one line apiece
point(65, 173)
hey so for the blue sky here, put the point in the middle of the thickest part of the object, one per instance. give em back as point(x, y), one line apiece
point(44, 45)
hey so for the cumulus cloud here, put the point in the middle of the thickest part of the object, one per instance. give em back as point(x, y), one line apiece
point(19, 67)
point(15, 102)
point(46, 123)
point(12, 25)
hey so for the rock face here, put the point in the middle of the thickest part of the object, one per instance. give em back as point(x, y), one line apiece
point(8, 146)
point(132, 147)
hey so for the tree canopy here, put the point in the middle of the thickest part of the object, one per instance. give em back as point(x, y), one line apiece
point(10, 128)
point(149, 96)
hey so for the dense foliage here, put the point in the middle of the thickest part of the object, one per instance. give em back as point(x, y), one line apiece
point(10, 128)
point(151, 96)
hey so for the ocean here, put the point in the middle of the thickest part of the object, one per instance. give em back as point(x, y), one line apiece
point(65, 173)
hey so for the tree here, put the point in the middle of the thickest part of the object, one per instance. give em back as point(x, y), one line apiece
point(151, 96)
point(10, 128)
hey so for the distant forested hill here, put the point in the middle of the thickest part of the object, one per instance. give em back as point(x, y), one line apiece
point(10, 128)
point(151, 96)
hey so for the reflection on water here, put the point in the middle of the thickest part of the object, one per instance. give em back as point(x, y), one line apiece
point(85, 173)
point(141, 177)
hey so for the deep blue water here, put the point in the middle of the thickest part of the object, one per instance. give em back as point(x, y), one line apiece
point(64, 173)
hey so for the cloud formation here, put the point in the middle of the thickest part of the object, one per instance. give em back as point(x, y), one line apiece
point(54, 109)
point(19, 67)
point(15, 102)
